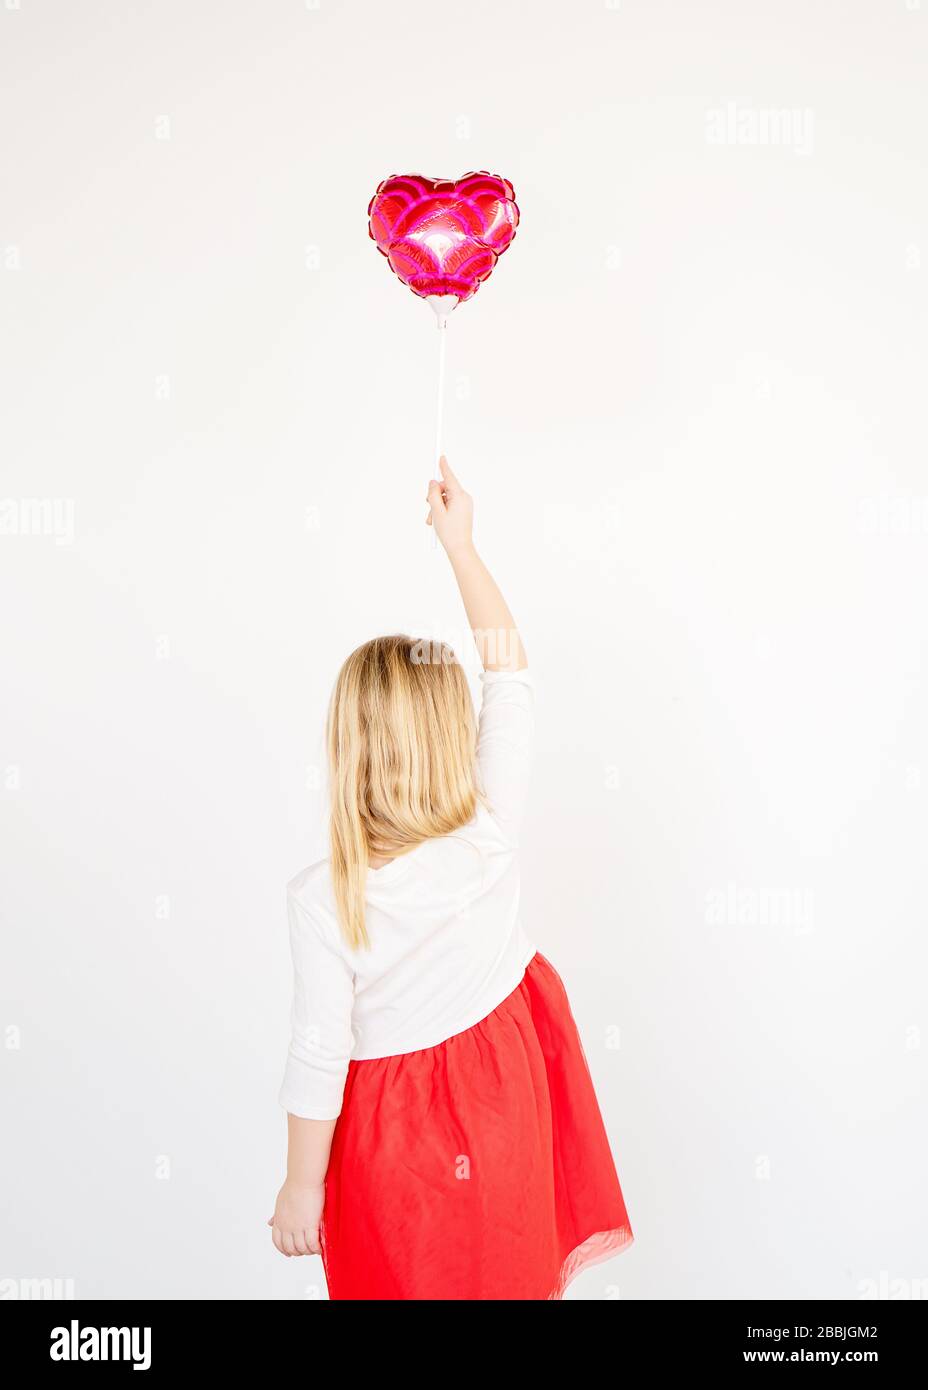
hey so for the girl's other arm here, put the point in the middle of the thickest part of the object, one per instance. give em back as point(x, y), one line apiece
point(295, 1223)
point(317, 1064)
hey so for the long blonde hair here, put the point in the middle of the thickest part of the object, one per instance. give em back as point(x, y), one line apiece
point(401, 743)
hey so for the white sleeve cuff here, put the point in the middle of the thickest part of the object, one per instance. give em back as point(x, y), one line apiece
point(523, 677)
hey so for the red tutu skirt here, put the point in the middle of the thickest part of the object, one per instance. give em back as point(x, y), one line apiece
point(477, 1169)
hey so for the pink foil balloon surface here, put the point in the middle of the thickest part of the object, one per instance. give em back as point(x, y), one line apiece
point(443, 236)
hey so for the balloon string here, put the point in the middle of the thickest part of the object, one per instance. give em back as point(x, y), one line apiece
point(440, 410)
point(440, 407)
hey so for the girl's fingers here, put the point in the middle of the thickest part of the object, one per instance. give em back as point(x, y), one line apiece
point(435, 497)
point(446, 473)
point(312, 1240)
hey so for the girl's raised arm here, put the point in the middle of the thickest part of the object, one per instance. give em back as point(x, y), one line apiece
point(495, 632)
point(506, 727)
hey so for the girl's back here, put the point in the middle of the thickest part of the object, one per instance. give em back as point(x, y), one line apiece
point(446, 941)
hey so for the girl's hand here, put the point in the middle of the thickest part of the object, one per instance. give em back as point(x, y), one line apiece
point(295, 1223)
point(451, 511)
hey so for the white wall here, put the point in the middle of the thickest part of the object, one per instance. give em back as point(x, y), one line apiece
point(690, 403)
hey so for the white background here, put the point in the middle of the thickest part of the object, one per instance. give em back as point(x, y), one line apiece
point(690, 404)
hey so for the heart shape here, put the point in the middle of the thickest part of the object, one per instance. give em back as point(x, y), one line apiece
point(443, 236)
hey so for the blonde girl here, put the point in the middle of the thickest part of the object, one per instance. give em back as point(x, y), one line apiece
point(445, 1140)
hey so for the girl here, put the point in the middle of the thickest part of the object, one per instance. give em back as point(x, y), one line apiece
point(444, 1137)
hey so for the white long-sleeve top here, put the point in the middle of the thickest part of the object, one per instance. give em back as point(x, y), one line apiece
point(447, 944)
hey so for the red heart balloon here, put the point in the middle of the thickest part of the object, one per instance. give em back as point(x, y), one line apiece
point(443, 236)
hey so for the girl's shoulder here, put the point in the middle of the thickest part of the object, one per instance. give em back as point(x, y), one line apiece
point(311, 890)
